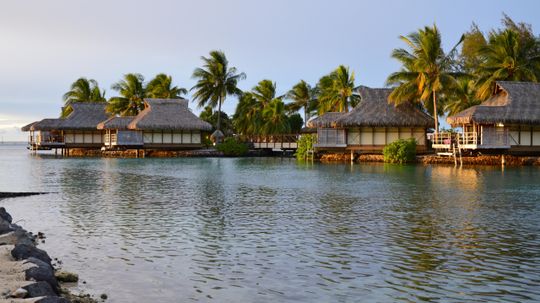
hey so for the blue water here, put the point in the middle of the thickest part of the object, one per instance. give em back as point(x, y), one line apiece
point(278, 230)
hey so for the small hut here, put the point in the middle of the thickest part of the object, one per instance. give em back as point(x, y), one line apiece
point(509, 119)
point(169, 124)
point(44, 134)
point(372, 124)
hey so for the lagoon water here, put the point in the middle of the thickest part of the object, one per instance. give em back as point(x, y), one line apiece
point(278, 230)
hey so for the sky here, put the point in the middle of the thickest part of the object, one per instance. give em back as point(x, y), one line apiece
point(46, 45)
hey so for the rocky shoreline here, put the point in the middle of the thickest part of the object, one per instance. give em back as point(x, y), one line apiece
point(27, 273)
point(489, 160)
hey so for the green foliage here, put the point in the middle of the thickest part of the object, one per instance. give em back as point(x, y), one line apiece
point(337, 91)
point(161, 87)
point(231, 147)
point(400, 151)
point(211, 117)
point(303, 97)
point(295, 123)
point(305, 144)
point(132, 92)
point(82, 90)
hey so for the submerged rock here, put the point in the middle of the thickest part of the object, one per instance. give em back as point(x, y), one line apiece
point(64, 276)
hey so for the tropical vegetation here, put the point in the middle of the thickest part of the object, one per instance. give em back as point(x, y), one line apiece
point(82, 90)
point(400, 151)
point(305, 144)
point(232, 147)
point(215, 81)
point(337, 91)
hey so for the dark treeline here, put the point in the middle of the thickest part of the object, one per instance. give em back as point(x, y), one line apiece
point(437, 81)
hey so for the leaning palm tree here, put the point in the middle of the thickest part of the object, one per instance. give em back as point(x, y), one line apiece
point(507, 56)
point(131, 99)
point(161, 87)
point(82, 90)
point(216, 81)
point(426, 70)
point(303, 96)
point(337, 91)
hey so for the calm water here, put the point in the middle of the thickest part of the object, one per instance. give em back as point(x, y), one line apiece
point(274, 230)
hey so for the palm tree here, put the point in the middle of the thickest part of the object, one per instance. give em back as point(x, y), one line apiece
point(247, 117)
point(131, 99)
point(161, 87)
point(82, 90)
point(337, 91)
point(303, 96)
point(216, 81)
point(461, 97)
point(264, 92)
point(508, 56)
point(275, 118)
point(426, 70)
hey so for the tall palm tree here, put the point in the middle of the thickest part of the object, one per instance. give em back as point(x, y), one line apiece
point(303, 96)
point(508, 56)
point(275, 118)
point(131, 99)
point(216, 81)
point(337, 91)
point(82, 90)
point(426, 70)
point(161, 87)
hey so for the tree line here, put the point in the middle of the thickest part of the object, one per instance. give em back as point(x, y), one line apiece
point(436, 81)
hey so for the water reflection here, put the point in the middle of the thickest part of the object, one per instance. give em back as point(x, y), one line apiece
point(266, 230)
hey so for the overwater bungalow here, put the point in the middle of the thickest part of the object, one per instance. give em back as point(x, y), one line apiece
point(371, 125)
point(77, 130)
point(163, 124)
point(508, 121)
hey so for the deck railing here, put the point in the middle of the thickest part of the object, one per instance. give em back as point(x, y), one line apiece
point(468, 138)
point(442, 138)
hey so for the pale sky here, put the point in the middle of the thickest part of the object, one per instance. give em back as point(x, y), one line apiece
point(47, 45)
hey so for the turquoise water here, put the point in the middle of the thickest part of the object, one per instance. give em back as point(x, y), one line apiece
point(275, 230)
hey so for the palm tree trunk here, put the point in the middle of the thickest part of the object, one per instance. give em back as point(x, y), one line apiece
point(305, 115)
point(219, 115)
point(435, 115)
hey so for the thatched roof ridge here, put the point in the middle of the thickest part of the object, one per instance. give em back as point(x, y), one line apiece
point(116, 123)
point(85, 116)
point(168, 114)
point(375, 111)
point(28, 127)
point(512, 103)
point(326, 120)
point(45, 125)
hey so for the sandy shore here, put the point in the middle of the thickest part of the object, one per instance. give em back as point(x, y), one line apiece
point(12, 272)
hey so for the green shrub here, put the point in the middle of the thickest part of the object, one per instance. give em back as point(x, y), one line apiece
point(231, 147)
point(305, 143)
point(400, 151)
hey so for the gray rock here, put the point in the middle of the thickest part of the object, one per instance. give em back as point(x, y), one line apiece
point(43, 272)
point(25, 251)
point(39, 289)
point(5, 227)
point(4, 215)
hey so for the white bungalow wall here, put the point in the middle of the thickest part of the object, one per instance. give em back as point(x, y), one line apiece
point(383, 136)
point(524, 136)
point(168, 137)
point(83, 137)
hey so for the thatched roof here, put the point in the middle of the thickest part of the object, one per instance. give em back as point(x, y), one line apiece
point(375, 111)
point(116, 123)
point(168, 114)
point(45, 124)
point(512, 103)
point(85, 116)
point(326, 120)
